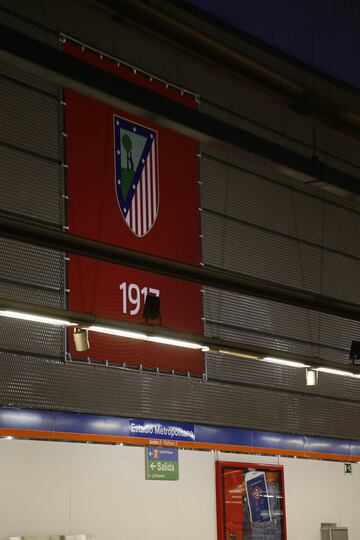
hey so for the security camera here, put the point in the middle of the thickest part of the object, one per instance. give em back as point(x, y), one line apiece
point(81, 339)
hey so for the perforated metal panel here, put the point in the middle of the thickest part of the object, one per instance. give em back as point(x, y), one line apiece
point(255, 195)
point(29, 119)
point(239, 247)
point(25, 178)
point(105, 390)
point(256, 224)
point(31, 188)
point(277, 326)
point(271, 376)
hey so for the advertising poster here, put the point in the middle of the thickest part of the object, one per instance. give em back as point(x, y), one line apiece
point(133, 184)
point(250, 502)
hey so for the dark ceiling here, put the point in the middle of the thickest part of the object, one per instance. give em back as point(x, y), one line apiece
point(290, 26)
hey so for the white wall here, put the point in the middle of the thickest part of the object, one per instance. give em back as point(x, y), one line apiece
point(57, 488)
point(319, 491)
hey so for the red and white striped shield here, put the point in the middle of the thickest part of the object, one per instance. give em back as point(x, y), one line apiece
point(136, 174)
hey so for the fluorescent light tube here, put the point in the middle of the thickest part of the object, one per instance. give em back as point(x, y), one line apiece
point(178, 343)
point(102, 329)
point(239, 354)
point(283, 362)
point(34, 318)
point(117, 332)
point(336, 372)
point(144, 337)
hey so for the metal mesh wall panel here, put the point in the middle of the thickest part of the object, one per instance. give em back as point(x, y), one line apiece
point(25, 178)
point(31, 188)
point(276, 325)
point(27, 79)
point(29, 119)
point(28, 18)
point(238, 247)
point(289, 130)
point(255, 224)
point(251, 112)
point(42, 268)
point(258, 198)
point(101, 390)
point(38, 339)
point(267, 376)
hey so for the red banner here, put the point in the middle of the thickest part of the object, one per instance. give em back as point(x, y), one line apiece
point(133, 184)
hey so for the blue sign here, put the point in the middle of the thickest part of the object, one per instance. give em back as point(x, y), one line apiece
point(162, 463)
point(162, 454)
point(148, 429)
point(52, 422)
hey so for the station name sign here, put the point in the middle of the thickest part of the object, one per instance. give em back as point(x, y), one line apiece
point(161, 430)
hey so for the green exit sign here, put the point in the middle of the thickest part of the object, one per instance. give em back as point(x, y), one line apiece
point(347, 468)
point(162, 463)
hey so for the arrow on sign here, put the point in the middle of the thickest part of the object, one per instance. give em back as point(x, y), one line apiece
point(152, 466)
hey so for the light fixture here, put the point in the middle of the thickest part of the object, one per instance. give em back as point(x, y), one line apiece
point(178, 343)
point(144, 337)
point(34, 318)
point(85, 321)
point(117, 332)
point(284, 362)
point(81, 339)
point(312, 377)
point(336, 372)
point(239, 354)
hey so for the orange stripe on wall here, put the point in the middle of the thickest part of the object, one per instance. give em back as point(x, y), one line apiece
point(113, 439)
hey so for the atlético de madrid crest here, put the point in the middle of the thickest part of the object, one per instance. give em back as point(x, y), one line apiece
point(136, 174)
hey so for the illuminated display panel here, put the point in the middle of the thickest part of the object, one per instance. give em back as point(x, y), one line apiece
point(250, 501)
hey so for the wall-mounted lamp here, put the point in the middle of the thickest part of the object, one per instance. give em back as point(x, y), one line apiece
point(312, 377)
point(81, 339)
